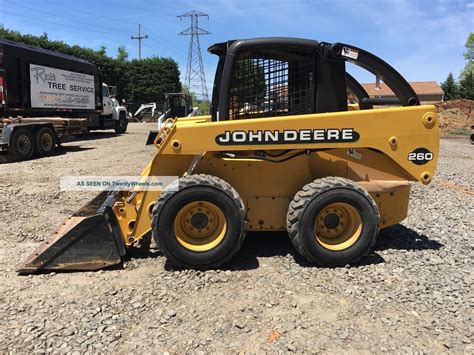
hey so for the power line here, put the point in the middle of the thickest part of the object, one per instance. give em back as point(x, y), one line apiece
point(164, 43)
point(139, 38)
point(150, 47)
point(67, 19)
point(161, 14)
point(195, 77)
point(170, 46)
point(59, 24)
point(88, 13)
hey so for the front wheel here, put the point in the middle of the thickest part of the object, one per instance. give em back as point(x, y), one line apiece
point(199, 222)
point(121, 124)
point(333, 221)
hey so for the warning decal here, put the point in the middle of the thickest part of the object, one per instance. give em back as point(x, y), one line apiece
point(350, 53)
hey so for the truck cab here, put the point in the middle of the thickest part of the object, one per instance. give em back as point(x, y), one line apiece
point(113, 115)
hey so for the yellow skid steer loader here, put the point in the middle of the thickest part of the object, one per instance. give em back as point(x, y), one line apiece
point(281, 150)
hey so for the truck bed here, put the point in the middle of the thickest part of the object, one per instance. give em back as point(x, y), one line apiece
point(65, 128)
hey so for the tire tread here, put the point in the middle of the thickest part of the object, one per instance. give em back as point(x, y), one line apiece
point(304, 196)
point(191, 181)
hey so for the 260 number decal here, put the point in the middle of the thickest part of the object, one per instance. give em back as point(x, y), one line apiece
point(420, 156)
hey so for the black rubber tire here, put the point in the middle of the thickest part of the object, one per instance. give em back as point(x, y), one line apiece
point(311, 199)
point(19, 136)
point(194, 188)
point(121, 124)
point(44, 151)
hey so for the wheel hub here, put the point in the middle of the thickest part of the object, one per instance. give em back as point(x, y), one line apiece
point(337, 226)
point(200, 226)
point(199, 220)
point(23, 145)
point(331, 221)
point(46, 142)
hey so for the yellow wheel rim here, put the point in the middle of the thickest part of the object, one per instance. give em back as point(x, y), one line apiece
point(200, 226)
point(338, 226)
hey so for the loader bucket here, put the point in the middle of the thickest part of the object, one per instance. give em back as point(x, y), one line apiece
point(88, 240)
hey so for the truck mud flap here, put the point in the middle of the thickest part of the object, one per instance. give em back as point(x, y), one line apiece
point(88, 240)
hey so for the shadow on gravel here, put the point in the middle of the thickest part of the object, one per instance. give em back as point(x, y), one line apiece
point(403, 238)
point(92, 136)
point(277, 244)
point(6, 158)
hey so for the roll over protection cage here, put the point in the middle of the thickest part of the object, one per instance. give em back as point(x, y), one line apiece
point(332, 81)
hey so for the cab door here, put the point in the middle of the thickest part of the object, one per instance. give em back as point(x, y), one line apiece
point(107, 101)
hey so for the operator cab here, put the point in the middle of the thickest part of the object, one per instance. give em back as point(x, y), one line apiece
point(267, 77)
point(178, 105)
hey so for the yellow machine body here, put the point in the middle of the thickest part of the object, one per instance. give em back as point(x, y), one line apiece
point(281, 150)
point(378, 161)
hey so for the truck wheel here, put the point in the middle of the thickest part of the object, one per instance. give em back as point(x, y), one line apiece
point(333, 221)
point(45, 142)
point(21, 145)
point(121, 124)
point(199, 222)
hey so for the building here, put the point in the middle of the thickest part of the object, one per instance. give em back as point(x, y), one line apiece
point(428, 91)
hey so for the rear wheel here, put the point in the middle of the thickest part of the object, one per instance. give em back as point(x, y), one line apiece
point(22, 145)
point(199, 222)
point(333, 221)
point(45, 141)
point(121, 124)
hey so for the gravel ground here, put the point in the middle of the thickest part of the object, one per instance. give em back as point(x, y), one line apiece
point(411, 294)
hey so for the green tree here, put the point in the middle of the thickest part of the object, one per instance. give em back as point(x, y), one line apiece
point(469, 54)
point(466, 83)
point(122, 54)
point(152, 78)
point(450, 88)
point(466, 79)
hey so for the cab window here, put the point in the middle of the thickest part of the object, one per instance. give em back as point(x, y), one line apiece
point(269, 83)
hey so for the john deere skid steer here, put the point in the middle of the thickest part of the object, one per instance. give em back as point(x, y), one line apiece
point(281, 150)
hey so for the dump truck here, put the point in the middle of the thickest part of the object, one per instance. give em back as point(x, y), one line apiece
point(42, 91)
point(282, 150)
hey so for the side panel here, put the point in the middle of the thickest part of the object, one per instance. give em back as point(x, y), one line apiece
point(399, 133)
point(267, 188)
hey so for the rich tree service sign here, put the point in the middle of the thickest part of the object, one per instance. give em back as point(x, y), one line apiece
point(56, 88)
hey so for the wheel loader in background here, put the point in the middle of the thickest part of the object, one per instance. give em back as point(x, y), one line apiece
point(281, 150)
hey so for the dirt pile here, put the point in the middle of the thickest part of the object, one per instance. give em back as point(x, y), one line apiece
point(455, 116)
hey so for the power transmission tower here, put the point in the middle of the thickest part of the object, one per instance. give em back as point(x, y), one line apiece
point(195, 79)
point(139, 38)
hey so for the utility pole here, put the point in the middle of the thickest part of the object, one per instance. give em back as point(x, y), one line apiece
point(139, 38)
point(195, 78)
